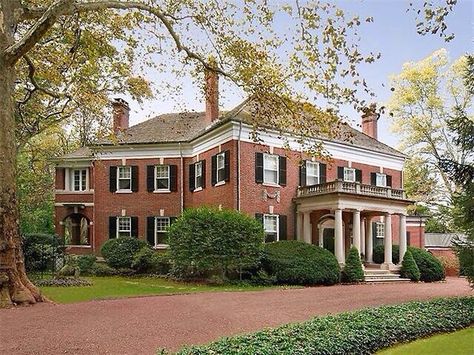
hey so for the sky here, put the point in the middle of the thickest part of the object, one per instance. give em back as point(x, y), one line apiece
point(393, 34)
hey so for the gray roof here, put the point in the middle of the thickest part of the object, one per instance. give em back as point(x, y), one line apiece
point(441, 239)
point(83, 152)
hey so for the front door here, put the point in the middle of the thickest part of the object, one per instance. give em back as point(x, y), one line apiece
point(328, 239)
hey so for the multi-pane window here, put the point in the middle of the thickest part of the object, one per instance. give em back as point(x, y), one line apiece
point(349, 174)
point(220, 167)
point(161, 228)
point(312, 173)
point(381, 180)
point(379, 229)
point(198, 175)
point(270, 169)
point(124, 178)
point(270, 225)
point(124, 227)
point(79, 180)
point(162, 177)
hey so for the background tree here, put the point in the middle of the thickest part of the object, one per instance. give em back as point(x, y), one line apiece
point(432, 17)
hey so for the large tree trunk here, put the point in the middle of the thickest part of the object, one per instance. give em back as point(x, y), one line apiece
point(15, 288)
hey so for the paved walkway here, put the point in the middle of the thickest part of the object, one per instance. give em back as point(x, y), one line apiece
point(141, 325)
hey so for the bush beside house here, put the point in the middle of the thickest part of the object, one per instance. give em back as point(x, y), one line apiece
point(352, 271)
point(430, 268)
point(379, 254)
point(41, 251)
point(409, 268)
point(118, 253)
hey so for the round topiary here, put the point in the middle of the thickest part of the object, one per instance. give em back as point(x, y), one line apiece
point(430, 268)
point(379, 254)
point(409, 268)
point(118, 253)
point(296, 263)
point(352, 271)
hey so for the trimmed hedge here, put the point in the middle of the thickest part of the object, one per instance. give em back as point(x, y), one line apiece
point(118, 253)
point(409, 268)
point(359, 332)
point(149, 261)
point(430, 267)
point(379, 254)
point(353, 271)
point(293, 262)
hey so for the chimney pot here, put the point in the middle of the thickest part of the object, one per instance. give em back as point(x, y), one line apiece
point(212, 96)
point(121, 115)
point(369, 121)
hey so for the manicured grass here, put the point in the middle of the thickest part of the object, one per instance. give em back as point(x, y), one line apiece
point(119, 286)
point(459, 343)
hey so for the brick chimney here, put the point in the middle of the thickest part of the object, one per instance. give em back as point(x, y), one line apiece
point(369, 121)
point(121, 114)
point(211, 92)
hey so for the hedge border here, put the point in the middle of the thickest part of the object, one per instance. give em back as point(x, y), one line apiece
point(363, 332)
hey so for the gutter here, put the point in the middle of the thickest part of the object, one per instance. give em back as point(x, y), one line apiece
point(238, 165)
point(181, 178)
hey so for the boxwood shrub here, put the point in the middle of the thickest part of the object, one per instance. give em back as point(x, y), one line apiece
point(293, 262)
point(353, 271)
point(359, 332)
point(430, 267)
point(409, 268)
point(379, 254)
point(118, 253)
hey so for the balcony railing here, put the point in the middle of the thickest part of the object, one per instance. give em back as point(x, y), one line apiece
point(351, 188)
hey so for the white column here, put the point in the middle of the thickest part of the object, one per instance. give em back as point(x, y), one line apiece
point(307, 227)
point(356, 229)
point(321, 235)
point(299, 226)
point(338, 237)
point(369, 245)
point(362, 237)
point(403, 236)
point(388, 241)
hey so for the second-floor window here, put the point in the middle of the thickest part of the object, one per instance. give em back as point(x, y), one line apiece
point(312, 173)
point(124, 178)
point(79, 180)
point(349, 174)
point(198, 175)
point(379, 229)
point(220, 164)
point(162, 178)
point(270, 169)
point(220, 167)
point(381, 180)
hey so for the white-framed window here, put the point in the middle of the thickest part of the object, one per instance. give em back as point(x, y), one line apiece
point(162, 178)
point(124, 226)
point(379, 229)
point(220, 171)
point(124, 178)
point(270, 225)
point(381, 180)
point(270, 169)
point(161, 229)
point(312, 173)
point(349, 174)
point(79, 180)
point(198, 175)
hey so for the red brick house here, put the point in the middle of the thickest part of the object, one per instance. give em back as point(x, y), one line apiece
point(139, 184)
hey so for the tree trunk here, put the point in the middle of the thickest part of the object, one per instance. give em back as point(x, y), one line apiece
point(15, 287)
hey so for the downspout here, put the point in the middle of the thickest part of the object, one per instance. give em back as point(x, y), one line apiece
point(181, 169)
point(238, 165)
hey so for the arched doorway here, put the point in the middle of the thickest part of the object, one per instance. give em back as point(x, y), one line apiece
point(326, 232)
point(76, 230)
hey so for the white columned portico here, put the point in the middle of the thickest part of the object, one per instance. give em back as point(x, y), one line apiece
point(362, 236)
point(356, 229)
point(307, 227)
point(388, 263)
point(321, 235)
point(338, 236)
point(369, 245)
point(403, 236)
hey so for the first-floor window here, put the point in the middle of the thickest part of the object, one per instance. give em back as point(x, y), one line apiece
point(381, 180)
point(124, 178)
point(161, 230)
point(270, 225)
point(124, 227)
point(198, 175)
point(379, 229)
point(312, 173)
point(349, 174)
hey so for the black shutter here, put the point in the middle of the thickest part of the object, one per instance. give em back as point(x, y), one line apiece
point(282, 171)
point(259, 217)
point(340, 172)
point(150, 178)
point(113, 178)
point(134, 178)
point(373, 179)
point(150, 230)
point(303, 173)
point(112, 227)
point(134, 226)
point(227, 165)
point(203, 173)
point(389, 180)
point(322, 173)
point(259, 168)
point(214, 170)
point(173, 178)
point(282, 224)
point(359, 175)
point(192, 176)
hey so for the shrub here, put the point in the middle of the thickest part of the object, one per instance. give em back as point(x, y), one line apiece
point(262, 278)
point(41, 251)
point(359, 332)
point(149, 261)
point(430, 267)
point(353, 271)
point(101, 269)
point(409, 268)
point(298, 263)
point(204, 241)
point(85, 262)
point(379, 254)
point(118, 252)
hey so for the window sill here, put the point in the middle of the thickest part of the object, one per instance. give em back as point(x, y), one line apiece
point(220, 183)
point(270, 184)
point(123, 191)
point(197, 189)
point(68, 192)
point(161, 246)
point(162, 191)
point(78, 246)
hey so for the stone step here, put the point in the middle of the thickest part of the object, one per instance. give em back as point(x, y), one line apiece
point(386, 280)
point(376, 277)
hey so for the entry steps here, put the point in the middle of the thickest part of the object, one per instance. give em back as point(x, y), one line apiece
point(381, 276)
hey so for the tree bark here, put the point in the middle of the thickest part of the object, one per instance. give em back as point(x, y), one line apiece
point(15, 287)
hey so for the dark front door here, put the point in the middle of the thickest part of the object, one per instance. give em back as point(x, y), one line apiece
point(328, 239)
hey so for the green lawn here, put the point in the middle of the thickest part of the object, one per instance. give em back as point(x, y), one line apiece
point(118, 287)
point(457, 343)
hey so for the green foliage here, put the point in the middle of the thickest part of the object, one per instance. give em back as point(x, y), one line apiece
point(297, 263)
point(352, 271)
point(41, 251)
point(205, 241)
point(118, 252)
point(149, 261)
point(63, 282)
point(379, 254)
point(409, 268)
point(430, 267)
point(465, 252)
point(102, 269)
point(359, 332)
point(85, 262)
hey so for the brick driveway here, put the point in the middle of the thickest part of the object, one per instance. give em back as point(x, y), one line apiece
point(141, 325)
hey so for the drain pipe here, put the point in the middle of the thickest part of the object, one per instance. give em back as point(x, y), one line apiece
point(181, 177)
point(238, 165)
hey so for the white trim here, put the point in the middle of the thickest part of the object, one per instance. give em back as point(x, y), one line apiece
point(85, 204)
point(66, 192)
point(220, 183)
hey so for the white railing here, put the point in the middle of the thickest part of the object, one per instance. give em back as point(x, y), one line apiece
point(352, 188)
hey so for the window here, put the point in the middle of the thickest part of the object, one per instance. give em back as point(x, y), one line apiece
point(270, 169)
point(198, 175)
point(379, 230)
point(161, 229)
point(162, 177)
point(381, 180)
point(270, 225)
point(124, 178)
point(312, 173)
point(79, 180)
point(124, 227)
point(220, 172)
point(349, 175)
